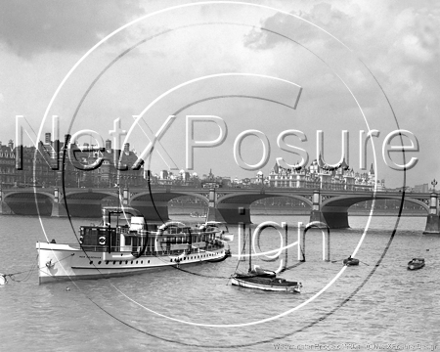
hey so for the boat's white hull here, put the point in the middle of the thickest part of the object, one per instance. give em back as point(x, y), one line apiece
point(256, 286)
point(64, 262)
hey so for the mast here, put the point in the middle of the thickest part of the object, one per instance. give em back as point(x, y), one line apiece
point(250, 249)
point(119, 203)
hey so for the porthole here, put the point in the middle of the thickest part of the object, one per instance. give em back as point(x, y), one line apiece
point(91, 262)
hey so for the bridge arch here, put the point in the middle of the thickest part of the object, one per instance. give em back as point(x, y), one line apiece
point(335, 209)
point(169, 195)
point(30, 202)
point(74, 194)
point(235, 208)
point(154, 206)
point(85, 203)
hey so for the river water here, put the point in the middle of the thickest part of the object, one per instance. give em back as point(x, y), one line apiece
point(369, 307)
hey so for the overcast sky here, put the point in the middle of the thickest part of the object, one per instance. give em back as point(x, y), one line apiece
point(360, 64)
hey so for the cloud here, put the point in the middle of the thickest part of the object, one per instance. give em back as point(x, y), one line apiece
point(397, 42)
point(32, 27)
point(300, 26)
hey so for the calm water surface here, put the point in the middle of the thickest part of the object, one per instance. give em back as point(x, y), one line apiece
point(196, 309)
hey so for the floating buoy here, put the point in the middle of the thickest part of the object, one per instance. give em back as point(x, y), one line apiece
point(3, 279)
point(67, 288)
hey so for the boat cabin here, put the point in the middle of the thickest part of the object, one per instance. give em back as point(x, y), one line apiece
point(172, 238)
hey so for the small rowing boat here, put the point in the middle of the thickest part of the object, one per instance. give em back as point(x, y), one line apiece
point(350, 261)
point(416, 263)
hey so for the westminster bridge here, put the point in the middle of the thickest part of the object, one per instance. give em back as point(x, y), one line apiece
point(231, 205)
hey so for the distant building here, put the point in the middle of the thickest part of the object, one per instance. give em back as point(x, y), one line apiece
point(8, 175)
point(424, 188)
point(38, 166)
point(313, 176)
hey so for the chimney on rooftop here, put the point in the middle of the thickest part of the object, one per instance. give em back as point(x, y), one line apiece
point(11, 144)
point(47, 139)
point(108, 144)
point(127, 147)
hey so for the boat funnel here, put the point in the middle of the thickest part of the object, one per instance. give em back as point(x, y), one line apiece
point(137, 223)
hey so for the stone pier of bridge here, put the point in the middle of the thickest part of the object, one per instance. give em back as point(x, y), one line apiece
point(433, 221)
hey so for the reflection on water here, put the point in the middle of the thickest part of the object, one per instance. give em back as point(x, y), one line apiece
point(193, 307)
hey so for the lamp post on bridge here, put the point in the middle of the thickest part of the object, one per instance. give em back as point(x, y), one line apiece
point(433, 183)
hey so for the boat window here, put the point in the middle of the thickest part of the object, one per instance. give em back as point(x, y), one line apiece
point(91, 262)
point(142, 262)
